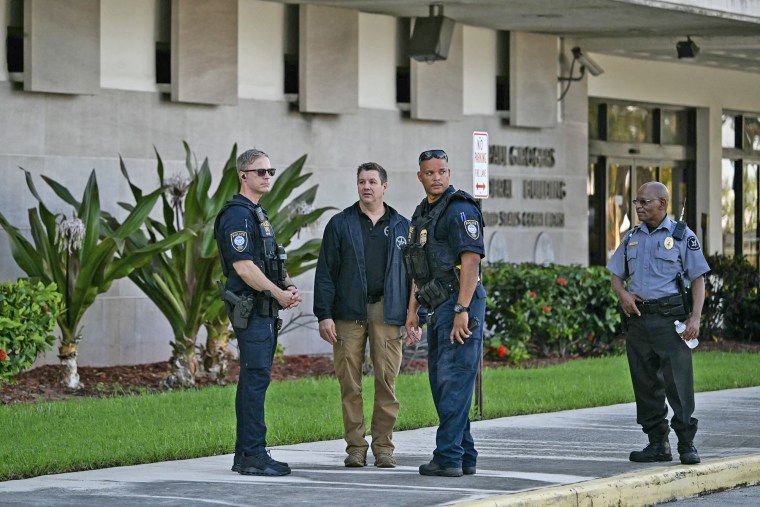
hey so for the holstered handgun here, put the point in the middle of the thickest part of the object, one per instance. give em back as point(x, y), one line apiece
point(238, 309)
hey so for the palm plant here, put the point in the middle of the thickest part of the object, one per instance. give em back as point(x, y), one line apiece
point(288, 219)
point(181, 282)
point(80, 255)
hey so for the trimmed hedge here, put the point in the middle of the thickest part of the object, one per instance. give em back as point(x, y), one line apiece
point(553, 310)
point(550, 310)
point(732, 302)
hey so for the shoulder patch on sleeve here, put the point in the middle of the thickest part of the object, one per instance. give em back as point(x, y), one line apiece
point(239, 240)
point(472, 227)
point(692, 243)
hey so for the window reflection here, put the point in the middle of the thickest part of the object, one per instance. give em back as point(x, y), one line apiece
point(674, 126)
point(593, 120)
point(618, 205)
point(749, 213)
point(739, 185)
point(728, 135)
point(752, 133)
point(629, 124)
point(728, 201)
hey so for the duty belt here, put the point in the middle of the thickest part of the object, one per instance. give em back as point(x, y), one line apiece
point(668, 305)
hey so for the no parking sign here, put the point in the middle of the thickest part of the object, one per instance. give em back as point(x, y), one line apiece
point(480, 165)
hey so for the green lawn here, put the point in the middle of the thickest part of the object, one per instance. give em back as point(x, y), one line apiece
point(85, 434)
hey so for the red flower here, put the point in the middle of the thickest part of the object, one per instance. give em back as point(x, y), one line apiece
point(533, 295)
point(502, 351)
point(590, 337)
point(547, 309)
point(561, 281)
point(3, 355)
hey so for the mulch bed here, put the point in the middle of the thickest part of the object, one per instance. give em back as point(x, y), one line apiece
point(42, 384)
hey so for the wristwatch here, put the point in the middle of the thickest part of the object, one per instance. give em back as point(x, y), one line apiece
point(460, 308)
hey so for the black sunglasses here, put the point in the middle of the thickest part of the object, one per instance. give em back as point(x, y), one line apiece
point(428, 154)
point(260, 172)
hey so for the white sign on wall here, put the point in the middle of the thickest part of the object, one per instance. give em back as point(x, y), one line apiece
point(480, 165)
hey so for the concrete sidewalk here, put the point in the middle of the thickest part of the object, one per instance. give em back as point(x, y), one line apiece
point(564, 458)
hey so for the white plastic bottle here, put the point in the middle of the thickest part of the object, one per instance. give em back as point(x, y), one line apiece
point(680, 328)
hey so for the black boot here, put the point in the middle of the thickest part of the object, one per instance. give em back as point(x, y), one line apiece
point(688, 453)
point(434, 468)
point(262, 464)
point(655, 451)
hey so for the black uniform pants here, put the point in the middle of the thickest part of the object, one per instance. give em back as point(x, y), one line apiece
point(661, 367)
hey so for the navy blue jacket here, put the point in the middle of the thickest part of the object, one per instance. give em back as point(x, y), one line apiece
point(340, 282)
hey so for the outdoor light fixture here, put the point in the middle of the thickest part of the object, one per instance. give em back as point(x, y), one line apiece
point(586, 63)
point(431, 37)
point(687, 48)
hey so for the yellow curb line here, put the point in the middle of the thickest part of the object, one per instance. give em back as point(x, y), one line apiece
point(637, 489)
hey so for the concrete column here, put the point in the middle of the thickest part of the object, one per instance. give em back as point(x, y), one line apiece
point(62, 46)
point(532, 80)
point(204, 51)
point(437, 88)
point(328, 60)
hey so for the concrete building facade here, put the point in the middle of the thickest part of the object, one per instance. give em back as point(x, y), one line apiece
point(87, 81)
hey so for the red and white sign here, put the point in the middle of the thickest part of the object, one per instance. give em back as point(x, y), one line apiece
point(480, 165)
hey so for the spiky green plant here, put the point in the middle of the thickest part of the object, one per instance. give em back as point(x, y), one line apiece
point(181, 282)
point(80, 256)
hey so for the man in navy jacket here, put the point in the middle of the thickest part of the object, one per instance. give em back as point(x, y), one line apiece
point(361, 291)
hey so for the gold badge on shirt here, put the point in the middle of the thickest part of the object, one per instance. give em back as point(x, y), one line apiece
point(266, 228)
point(668, 243)
point(423, 237)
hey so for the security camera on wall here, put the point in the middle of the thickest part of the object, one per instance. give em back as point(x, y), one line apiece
point(431, 37)
point(594, 68)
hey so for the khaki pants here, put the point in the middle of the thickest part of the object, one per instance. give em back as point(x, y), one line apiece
point(385, 350)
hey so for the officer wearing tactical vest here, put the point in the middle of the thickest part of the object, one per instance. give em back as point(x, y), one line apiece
point(443, 254)
point(655, 257)
point(257, 288)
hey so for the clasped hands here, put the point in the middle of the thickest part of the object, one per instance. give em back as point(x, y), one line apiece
point(289, 298)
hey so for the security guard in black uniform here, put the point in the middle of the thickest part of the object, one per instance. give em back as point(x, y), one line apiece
point(655, 257)
point(257, 288)
point(443, 256)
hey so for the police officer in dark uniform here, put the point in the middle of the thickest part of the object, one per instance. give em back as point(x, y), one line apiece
point(443, 256)
point(655, 257)
point(257, 288)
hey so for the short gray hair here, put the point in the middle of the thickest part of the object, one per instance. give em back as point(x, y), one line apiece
point(248, 157)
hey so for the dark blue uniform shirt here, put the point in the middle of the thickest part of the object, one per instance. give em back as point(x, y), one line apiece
point(460, 226)
point(239, 228)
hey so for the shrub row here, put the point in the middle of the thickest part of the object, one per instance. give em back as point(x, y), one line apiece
point(732, 300)
point(27, 319)
point(552, 310)
point(549, 310)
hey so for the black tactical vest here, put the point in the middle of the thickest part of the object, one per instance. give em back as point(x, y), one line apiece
point(266, 252)
point(441, 260)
